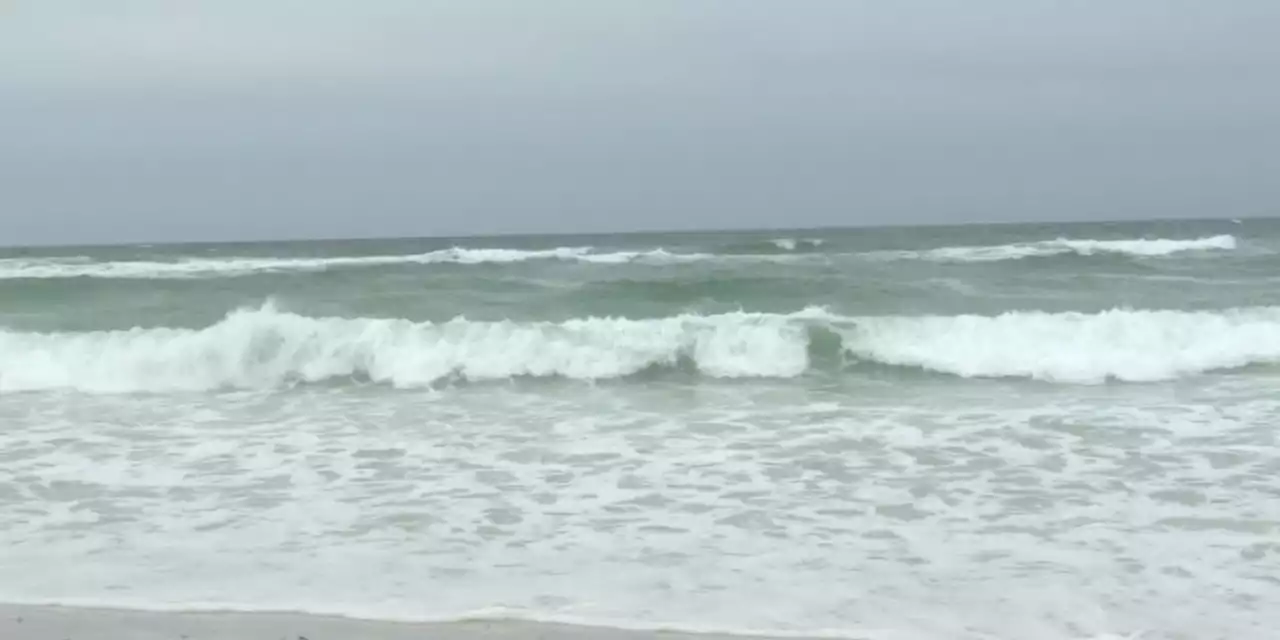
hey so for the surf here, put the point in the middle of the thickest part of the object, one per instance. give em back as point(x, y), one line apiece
point(267, 347)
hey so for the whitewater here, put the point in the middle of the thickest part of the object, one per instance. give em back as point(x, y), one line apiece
point(265, 348)
point(1044, 432)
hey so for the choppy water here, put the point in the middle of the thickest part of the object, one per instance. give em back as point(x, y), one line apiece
point(980, 432)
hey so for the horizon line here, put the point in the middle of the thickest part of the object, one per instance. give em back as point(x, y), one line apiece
point(634, 232)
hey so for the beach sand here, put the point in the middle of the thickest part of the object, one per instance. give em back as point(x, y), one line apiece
point(73, 623)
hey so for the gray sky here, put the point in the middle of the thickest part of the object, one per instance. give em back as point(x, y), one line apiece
point(147, 120)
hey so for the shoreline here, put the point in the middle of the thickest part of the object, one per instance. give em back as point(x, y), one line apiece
point(52, 622)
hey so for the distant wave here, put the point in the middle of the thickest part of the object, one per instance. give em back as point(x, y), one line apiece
point(773, 246)
point(44, 268)
point(232, 266)
point(267, 347)
point(778, 250)
point(1061, 246)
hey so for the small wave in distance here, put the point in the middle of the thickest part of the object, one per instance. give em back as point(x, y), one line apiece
point(778, 250)
point(1142, 248)
point(47, 268)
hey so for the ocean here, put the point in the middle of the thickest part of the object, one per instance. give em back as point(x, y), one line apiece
point(978, 432)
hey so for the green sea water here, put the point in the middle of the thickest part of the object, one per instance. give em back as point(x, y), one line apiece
point(856, 272)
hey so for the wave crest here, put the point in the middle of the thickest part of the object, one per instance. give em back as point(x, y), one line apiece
point(266, 348)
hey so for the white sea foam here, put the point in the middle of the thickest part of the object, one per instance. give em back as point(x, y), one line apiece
point(605, 507)
point(491, 615)
point(1061, 246)
point(1074, 347)
point(266, 347)
point(699, 507)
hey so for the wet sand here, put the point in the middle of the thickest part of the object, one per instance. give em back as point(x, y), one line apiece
point(72, 623)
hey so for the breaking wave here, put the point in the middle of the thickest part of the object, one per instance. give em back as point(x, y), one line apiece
point(1063, 246)
point(1126, 345)
point(267, 347)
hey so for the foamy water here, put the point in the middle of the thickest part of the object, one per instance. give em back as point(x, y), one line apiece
point(921, 515)
point(1059, 464)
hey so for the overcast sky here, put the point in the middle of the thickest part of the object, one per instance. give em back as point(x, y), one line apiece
point(152, 120)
